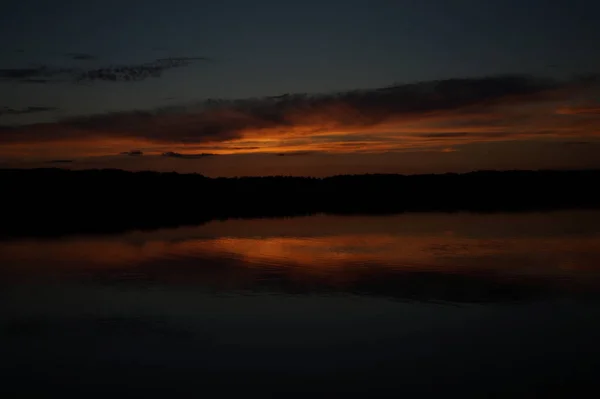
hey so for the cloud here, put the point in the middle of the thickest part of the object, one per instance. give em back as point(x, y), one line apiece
point(37, 73)
point(295, 153)
point(24, 111)
point(176, 60)
point(172, 154)
point(115, 73)
point(449, 149)
point(38, 81)
point(579, 110)
point(234, 148)
point(134, 153)
point(577, 143)
point(137, 72)
point(80, 56)
point(446, 135)
point(430, 115)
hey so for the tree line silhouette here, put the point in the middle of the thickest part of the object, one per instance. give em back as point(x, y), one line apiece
point(53, 201)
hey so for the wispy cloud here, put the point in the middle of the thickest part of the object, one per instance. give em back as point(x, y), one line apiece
point(172, 154)
point(449, 149)
point(425, 115)
point(589, 110)
point(36, 73)
point(25, 111)
point(294, 153)
point(577, 143)
point(133, 153)
point(115, 73)
point(80, 56)
point(61, 161)
point(138, 72)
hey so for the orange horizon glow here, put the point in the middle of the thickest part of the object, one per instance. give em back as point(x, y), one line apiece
point(426, 135)
point(341, 123)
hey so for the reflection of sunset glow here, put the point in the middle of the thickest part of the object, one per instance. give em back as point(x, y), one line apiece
point(396, 255)
point(403, 252)
point(442, 251)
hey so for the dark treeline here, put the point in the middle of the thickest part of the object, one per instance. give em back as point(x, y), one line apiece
point(57, 201)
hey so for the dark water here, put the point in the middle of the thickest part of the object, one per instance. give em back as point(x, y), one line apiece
point(479, 305)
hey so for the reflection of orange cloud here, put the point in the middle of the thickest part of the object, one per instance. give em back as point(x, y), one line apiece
point(406, 252)
point(443, 252)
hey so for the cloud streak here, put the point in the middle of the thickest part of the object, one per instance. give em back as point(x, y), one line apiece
point(114, 73)
point(61, 161)
point(25, 111)
point(80, 56)
point(132, 153)
point(138, 72)
point(425, 115)
point(171, 154)
point(592, 110)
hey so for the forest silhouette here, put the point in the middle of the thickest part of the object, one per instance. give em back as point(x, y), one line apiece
point(54, 201)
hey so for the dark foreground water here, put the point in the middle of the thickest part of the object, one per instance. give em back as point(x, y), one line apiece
point(477, 305)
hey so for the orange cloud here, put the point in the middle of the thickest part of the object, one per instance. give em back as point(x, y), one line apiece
point(578, 111)
point(427, 115)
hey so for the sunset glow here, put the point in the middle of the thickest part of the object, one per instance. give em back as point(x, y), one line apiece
point(397, 119)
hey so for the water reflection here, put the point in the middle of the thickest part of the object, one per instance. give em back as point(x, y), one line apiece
point(403, 256)
point(413, 303)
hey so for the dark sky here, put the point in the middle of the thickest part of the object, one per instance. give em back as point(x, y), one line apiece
point(90, 59)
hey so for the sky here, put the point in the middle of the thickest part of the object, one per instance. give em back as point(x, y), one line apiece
point(300, 88)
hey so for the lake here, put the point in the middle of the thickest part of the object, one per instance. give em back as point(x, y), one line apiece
point(481, 305)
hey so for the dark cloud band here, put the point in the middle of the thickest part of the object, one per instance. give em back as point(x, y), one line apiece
point(118, 73)
point(304, 115)
point(25, 111)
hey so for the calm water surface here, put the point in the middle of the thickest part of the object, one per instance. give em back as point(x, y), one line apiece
point(473, 304)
